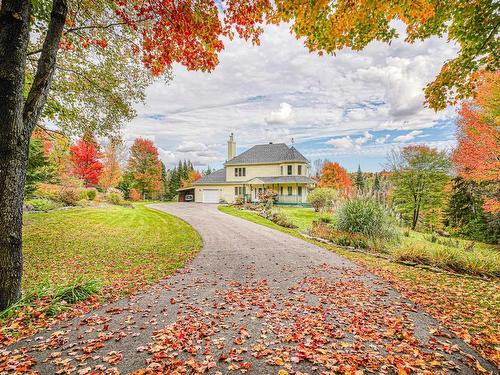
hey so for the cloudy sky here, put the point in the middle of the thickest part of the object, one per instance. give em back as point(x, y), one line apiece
point(352, 108)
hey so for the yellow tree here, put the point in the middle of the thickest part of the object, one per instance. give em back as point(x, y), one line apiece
point(112, 172)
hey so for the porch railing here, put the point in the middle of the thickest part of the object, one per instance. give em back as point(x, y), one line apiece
point(290, 199)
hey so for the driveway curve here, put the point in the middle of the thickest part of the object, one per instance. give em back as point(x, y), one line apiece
point(254, 300)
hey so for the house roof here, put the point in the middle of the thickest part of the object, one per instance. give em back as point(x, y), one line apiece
point(268, 153)
point(217, 177)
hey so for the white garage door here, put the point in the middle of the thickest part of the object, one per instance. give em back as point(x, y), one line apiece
point(211, 195)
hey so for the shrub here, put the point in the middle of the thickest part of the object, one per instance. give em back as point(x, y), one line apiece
point(279, 217)
point(114, 198)
point(239, 201)
point(415, 254)
point(69, 195)
point(49, 191)
point(356, 240)
point(134, 195)
point(321, 229)
point(451, 259)
point(368, 217)
point(91, 194)
point(267, 199)
point(249, 206)
point(40, 204)
point(321, 198)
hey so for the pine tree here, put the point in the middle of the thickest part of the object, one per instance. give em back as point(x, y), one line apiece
point(39, 166)
point(164, 181)
point(360, 180)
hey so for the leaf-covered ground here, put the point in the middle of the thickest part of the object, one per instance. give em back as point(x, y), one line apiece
point(254, 300)
point(122, 249)
point(469, 307)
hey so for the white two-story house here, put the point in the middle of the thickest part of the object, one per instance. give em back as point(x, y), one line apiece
point(273, 166)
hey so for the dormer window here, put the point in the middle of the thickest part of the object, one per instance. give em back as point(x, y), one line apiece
point(289, 170)
point(299, 170)
point(240, 172)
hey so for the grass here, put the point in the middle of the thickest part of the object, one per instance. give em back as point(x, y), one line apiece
point(94, 255)
point(301, 217)
point(115, 244)
point(455, 255)
point(467, 306)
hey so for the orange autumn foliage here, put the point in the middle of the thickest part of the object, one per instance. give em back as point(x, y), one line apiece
point(134, 195)
point(335, 177)
point(194, 175)
point(477, 156)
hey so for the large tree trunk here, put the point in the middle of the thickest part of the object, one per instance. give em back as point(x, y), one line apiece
point(17, 121)
point(14, 35)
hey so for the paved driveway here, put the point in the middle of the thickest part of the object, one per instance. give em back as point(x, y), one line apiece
point(255, 300)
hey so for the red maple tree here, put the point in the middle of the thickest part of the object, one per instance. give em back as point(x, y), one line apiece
point(84, 156)
point(335, 177)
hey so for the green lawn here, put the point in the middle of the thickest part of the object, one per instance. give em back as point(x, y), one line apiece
point(116, 244)
point(301, 217)
point(76, 259)
point(467, 306)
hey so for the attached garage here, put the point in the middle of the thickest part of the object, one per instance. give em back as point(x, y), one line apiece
point(211, 195)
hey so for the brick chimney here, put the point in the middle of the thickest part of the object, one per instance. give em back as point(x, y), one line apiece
point(231, 147)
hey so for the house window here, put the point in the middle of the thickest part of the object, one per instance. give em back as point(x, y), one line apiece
point(238, 190)
point(240, 172)
point(281, 189)
point(289, 170)
point(299, 170)
point(282, 170)
point(299, 191)
point(289, 190)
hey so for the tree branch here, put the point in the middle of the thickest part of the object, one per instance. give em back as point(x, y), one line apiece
point(101, 27)
point(37, 96)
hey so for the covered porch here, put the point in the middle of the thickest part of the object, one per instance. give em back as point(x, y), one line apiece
point(293, 193)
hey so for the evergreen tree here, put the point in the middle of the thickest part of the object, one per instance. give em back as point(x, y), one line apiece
point(164, 182)
point(360, 180)
point(466, 215)
point(39, 166)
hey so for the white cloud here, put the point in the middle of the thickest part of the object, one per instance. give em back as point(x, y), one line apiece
point(190, 146)
point(284, 115)
point(278, 91)
point(365, 138)
point(342, 143)
point(382, 140)
point(409, 136)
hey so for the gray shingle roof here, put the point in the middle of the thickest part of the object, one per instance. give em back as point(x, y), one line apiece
point(269, 153)
point(217, 177)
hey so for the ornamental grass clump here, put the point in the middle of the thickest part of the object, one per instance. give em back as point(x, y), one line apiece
point(367, 217)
